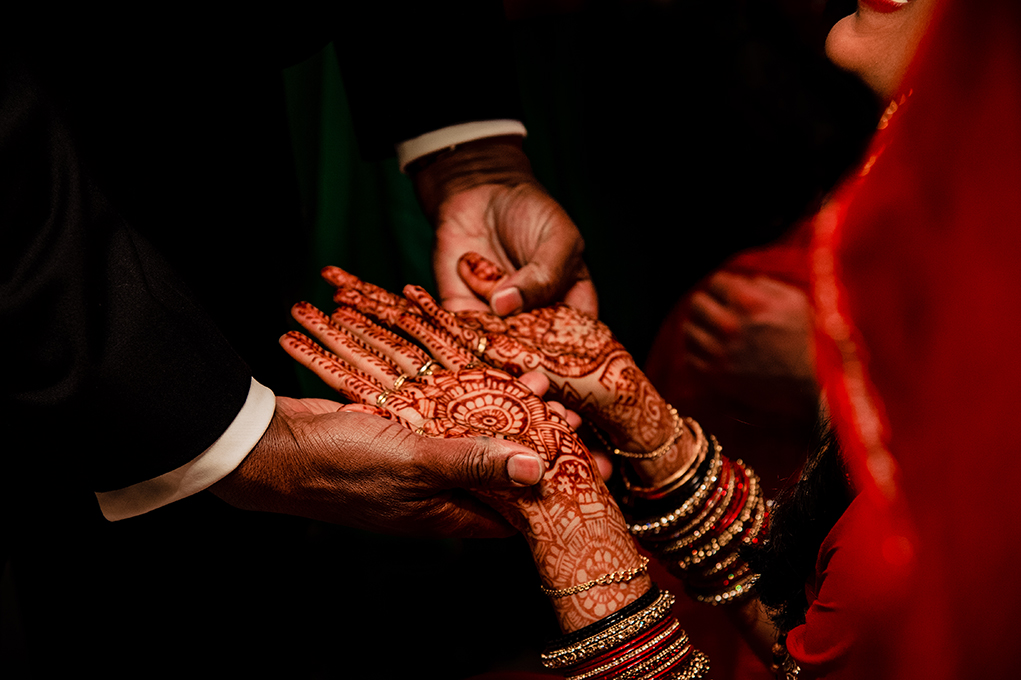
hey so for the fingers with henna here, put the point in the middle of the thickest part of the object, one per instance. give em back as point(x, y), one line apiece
point(408, 357)
point(345, 345)
point(353, 384)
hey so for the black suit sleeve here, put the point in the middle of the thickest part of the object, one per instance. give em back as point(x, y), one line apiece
point(110, 373)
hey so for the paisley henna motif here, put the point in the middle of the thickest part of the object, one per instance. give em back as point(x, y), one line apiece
point(571, 523)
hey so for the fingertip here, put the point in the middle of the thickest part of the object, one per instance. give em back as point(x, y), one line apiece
point(535, 381)
point(525, 469)
point(507, 301)
point(603, 464)
point(583, 297)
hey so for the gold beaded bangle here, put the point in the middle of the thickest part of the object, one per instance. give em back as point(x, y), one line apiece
point(754, 506)
point(696, 667)
point(622, 576)
point(735, 592)
point(613, 636)
point(698, 527)
point(656, 526)
point(672, 628)
point(658, 451)
point(674, 652)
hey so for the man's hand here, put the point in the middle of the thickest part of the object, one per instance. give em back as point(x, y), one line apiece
point(483, 197)
point(339, 464)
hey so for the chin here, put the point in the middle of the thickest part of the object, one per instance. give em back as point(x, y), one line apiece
point(850, 50)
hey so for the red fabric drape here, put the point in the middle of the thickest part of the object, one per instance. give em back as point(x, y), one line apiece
point(918, 287)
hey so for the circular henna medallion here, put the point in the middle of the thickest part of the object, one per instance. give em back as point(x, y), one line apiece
point(614, 555)
point(491, 412)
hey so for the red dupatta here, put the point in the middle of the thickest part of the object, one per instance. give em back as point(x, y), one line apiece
point(917, 282)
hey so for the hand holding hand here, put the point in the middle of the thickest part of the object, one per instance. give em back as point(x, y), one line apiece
point(589, 370)
point(483, 197)
point(573, 526)
point(339, 464)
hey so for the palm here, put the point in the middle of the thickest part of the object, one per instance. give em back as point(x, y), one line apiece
point(569, 518)
point(589, 370)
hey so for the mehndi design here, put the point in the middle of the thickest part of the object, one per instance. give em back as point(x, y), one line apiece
point(573, 526)
point(589, 370)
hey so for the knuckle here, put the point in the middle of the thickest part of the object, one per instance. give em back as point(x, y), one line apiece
point(474, 461)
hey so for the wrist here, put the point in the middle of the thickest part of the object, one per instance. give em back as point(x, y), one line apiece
point(491, 160)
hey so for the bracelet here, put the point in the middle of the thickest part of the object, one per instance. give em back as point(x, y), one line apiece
point(741, 589)
point(696, 668)
point(655, 453)
point(603, 624)
point(622, 576)
point(700, 526)
point(726, 510)
point(635, 670)
point(713, 466)
point(614, 635)
point(681, 479)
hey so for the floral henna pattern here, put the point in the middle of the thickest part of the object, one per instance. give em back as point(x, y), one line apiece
point(589, 370)
point(571, 523)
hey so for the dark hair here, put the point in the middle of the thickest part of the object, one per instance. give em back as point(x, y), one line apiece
point(801, 516)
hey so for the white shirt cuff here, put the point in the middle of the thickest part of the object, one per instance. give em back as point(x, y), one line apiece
point(423, 145)
point(209, 467)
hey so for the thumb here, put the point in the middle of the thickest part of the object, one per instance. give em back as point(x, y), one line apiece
point(481, 463)
point(552, 269)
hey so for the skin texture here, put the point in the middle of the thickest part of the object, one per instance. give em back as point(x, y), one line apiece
point(878, 45)
point(588, 369)
point(572, 525)
point(483, 197)
point(321, 460)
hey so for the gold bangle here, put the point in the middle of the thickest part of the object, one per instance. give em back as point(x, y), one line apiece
point(660, 524)
point(694, 668)
point(671, 628)
point(737, 591)
point(613, 636)
point(679, 478)
point(658, 451)
point(622, 576)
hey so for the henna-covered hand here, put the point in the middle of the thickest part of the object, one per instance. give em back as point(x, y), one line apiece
point(573, 526)
point(589, 370)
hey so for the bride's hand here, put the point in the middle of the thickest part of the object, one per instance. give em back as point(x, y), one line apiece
point(573, 526)
point(589, 370)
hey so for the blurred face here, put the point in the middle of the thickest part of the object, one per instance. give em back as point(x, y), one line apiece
point(878, 41)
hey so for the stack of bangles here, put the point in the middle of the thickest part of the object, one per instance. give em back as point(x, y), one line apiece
point(641, 640)
point(697, 525)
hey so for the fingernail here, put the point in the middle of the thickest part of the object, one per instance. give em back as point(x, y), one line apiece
point(525, 470)
point(507, 301)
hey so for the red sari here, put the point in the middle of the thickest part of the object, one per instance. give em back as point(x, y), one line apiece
point(917, 284)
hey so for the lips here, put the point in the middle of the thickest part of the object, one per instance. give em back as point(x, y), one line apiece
point(884, 6)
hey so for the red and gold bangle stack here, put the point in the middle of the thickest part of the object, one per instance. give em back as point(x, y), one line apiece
point(642, 641)
point(696, 531)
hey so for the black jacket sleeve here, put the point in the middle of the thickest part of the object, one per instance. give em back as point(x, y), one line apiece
point(109, 372)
